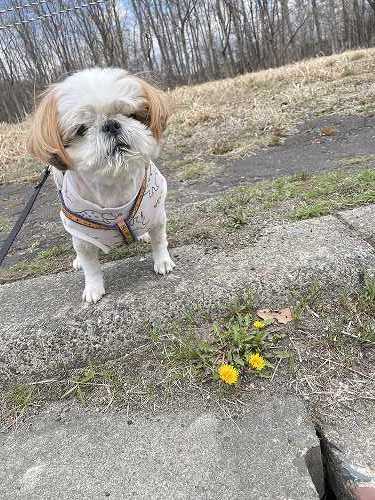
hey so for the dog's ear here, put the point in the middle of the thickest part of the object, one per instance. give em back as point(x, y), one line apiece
point(156, 109)
point(45, 140)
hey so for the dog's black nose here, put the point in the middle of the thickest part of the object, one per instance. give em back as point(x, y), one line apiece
point(112, 127)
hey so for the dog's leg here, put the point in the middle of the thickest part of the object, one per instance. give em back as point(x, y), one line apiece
point(87, 256)
point(162, 261)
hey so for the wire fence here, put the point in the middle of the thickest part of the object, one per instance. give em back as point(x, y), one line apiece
point(22, 8)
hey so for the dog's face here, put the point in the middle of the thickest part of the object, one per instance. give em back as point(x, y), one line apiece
point(98, 120)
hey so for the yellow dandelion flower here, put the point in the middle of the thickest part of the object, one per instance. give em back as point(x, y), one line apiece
point(228, 374)
point(259, 324)
point(256, 361)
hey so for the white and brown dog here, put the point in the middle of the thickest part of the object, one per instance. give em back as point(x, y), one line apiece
point(101, 129)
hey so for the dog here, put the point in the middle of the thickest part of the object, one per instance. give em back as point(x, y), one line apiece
point(100, 130)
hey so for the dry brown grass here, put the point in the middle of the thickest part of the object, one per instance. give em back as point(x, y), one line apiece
point(15, 163)
point(233, 117)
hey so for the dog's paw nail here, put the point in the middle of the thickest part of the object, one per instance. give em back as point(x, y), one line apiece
point(164, 266)
point(76, 264)
point(92, 294)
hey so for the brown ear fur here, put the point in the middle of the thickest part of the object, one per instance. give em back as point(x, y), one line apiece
point(45, 141)
point(156, 108)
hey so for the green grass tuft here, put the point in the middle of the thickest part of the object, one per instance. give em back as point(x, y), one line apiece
point(4, 225)
point(311, 196)
point(20, 397)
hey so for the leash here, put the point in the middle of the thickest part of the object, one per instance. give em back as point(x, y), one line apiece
point(25, 212)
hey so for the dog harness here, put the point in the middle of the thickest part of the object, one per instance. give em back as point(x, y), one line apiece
point(110, 227)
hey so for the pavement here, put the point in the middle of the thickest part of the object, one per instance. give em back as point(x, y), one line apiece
point(183, 454)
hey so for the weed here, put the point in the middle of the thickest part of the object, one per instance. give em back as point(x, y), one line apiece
point(275, 140)
point(356, 56)
point(46, 261)
point(125, 251)
point(302, 176)
point(347, 70)
point(367, 333)
point(358, 160)
point(310, 211)
point(312, 195)
point(237, 217)
point(305, 301)
point(232, 341)
point(4, 225)
point(20, 398)
point(242, 305)
point(221, 148)
point(194, 170)
point(366, 298)
point(87, 379)
point(54, 251)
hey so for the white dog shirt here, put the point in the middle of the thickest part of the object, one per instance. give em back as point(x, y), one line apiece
point(100, 226)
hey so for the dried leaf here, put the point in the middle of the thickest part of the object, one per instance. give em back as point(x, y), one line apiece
point(329, 131)
point(282, 316)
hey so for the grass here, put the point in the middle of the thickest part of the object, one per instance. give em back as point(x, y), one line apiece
point(194, 170)
point(310, 196)
point(15, 164)
point(233, 117)
point(4, 225)
point(53, 259)
point(19, 401)
point(358, 160)
point(59, 258)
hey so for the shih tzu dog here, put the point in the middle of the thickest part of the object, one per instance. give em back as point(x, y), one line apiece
point(100, 129)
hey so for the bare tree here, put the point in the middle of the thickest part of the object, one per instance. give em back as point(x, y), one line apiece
point(175, 41)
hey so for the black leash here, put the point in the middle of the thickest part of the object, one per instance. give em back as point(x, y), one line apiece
point(29, 205)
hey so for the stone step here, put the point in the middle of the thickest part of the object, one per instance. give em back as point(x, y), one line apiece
point(46, 328)
point(181, 454)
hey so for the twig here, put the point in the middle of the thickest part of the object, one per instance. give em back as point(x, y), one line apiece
point(46, 381)
point(69, 391)
point(296, 349)
point(275, 370)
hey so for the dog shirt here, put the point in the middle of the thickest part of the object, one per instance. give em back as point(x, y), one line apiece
point(138, 215)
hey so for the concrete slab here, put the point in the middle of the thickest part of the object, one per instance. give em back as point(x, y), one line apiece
point(45, 328)
point(180, 455)
point(354, 435)
point(361, 219)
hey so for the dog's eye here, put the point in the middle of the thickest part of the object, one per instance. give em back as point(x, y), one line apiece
point(81, 130)
point(141, 116)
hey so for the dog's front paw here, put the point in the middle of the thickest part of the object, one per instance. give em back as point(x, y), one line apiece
point(145, 238)
point(93, 292)
point(76, 264)
point(164, 266)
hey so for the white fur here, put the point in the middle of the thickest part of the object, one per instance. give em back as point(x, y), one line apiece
point(107, 177)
